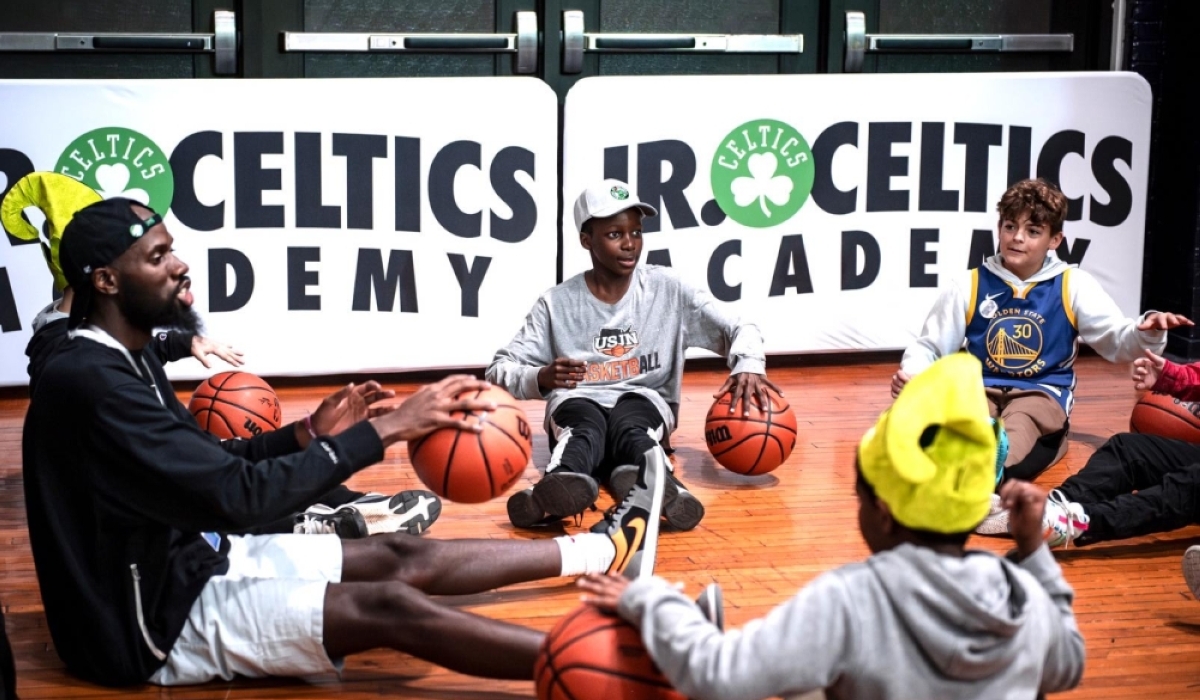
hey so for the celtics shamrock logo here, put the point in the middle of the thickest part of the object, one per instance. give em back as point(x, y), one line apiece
point(762, 173)
point(120, 162)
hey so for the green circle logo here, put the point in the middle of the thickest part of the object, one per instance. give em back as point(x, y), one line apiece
point(762, 173)
point(120, 162)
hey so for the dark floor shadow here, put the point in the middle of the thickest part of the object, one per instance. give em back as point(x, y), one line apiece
point(699, 467)
point(1158, 546)
point(1092, 441)
point(505, 595)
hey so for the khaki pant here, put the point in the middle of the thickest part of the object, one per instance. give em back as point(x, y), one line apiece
point(1036, 426)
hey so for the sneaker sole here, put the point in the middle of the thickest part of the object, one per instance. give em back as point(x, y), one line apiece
point(565, 494)
point(712, 604)
point(523, 510)
point(401, 505)
point(1191, 570)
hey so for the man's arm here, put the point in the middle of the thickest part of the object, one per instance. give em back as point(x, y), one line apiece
point(515, 366)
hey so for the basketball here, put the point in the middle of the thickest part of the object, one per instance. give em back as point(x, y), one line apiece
point(751, 444)
point(471, 467)
point(1166, 416)
point(591, 655)
point(235, 405)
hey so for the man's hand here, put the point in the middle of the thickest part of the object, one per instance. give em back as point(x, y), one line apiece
point(563, 373)
point(430, 409)
point(1163, 321)
point(603, 590)
point(1147, 370)
point(203, 347)
point(1026, 504)
point(899, 379)
point(745, 386)
point(349, 405)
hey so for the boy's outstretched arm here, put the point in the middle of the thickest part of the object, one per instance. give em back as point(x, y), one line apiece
point(1108, 331)
point(801, 645)
point(1158, 374)
point(943, 333)
point(515, 366)
point(1025, 502)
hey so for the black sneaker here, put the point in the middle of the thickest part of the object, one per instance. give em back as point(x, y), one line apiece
point(682, 509)
point(633, 525)
point(345, 522)
point(560, 494)
point(712, 603)
point(408, 511)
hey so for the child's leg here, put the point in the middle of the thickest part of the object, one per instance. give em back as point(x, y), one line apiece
point(568, 487)
point(1029, 416)
point(634, 427)
point(1171, 505)
point(1128, 462)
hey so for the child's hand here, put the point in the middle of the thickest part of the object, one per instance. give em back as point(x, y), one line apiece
point(1026, 504)
point(563, 373)
point(745, 386)
point(603, 590)
point(1162, 321)
point(1147, 370)
point(899, 379)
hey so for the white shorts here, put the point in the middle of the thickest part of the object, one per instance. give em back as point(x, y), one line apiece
point(264, 617)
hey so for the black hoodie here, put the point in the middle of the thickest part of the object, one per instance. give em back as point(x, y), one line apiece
point(119, 484)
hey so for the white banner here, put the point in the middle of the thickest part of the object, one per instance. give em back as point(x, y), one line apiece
point(330, 225)
point(830, 208)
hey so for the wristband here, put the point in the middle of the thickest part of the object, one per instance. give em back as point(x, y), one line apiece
point(308, 426)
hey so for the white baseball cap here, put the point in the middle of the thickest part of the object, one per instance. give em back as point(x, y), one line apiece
point(607, 198)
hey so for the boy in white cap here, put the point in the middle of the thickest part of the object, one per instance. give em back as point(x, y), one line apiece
point(605, 349)
point(923, 617)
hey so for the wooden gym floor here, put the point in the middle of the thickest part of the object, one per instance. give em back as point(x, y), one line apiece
point(763, 538)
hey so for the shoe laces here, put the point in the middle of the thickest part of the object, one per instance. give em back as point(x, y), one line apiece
point(1072, 524)
point(311, 525)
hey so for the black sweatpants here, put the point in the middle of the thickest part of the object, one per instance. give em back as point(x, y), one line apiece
point(590, 439)
point(1164, 472)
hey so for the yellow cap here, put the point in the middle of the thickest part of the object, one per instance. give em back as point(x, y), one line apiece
point(59, 197)
point(931, 457)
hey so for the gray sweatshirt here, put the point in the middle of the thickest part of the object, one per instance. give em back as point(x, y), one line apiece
point(635, 345)
point(906, 623)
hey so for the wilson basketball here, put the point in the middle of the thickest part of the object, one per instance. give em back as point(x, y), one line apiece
point(472, 467)
point(750, 444)
point(235, 405)
point(591, 655)
point(1166, 416)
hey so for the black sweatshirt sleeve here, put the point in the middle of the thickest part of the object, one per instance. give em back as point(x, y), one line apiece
point(170, 346)
point(168, 469)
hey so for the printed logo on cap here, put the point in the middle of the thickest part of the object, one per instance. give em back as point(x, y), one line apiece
point(619, 192)
point(120, 162)
point(762, 173)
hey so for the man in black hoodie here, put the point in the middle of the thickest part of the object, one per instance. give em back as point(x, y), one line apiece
point(125, 495)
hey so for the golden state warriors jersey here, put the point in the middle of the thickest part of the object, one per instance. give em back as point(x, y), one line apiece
point(1026, 339)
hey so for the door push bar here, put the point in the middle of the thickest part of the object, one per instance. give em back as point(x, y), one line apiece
point(576, 42)
point(222, 43)
point(858, 43)
point(524, 43)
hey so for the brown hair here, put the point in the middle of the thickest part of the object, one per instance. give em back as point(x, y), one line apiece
point(1046, 204)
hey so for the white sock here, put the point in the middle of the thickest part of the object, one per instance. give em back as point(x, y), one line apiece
point(586, 553)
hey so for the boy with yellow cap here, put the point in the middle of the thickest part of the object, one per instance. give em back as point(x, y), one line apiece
point(922, 617)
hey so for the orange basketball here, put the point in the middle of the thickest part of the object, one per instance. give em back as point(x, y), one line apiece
point(235, 405)
point(750, 444)
point(476, 467)
point(591, 655)
point(1166, 416)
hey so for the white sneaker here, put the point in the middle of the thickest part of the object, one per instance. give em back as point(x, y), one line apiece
point(1191, 569)
point(1063, 520)
point(408, 511)
point(996, 522)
